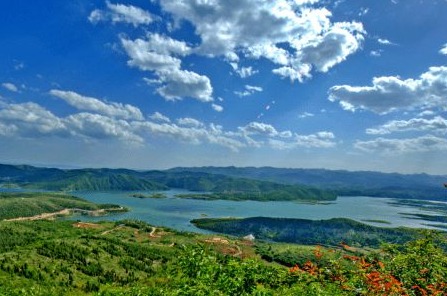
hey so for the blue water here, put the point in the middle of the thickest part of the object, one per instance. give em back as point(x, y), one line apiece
point(176, 213)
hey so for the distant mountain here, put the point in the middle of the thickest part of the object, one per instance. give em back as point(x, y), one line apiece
point(350, 183)
point(79, 179)
point(123, 179)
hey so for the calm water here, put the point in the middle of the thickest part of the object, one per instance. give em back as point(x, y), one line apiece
point(176, 213)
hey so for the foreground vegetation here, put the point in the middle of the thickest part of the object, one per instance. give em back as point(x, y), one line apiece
point(133, 258)
point(52, 257)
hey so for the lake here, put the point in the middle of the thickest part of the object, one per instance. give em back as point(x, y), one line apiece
point(176, 212)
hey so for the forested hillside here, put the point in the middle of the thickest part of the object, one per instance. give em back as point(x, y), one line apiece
point(309, 232)
point(344, 183)
point(128, 180)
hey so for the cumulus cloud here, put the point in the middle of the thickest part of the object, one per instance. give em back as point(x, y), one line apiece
point(243, 72)
point(438, 125)
point(80, 102)
point(444, 49)
point(10, 86)
point(120, 13)
point(398, 146)
point(151, 54)
point(391, 93)
point(30, 120)
point(97, 126)
point(160, 54)
point(259, 29)
point(256, 128)
point(187, 121)
point(217, 108)
point(333, 46)
point(318, 140)
point(157, 116)
point(258, 134)
point(181, 83)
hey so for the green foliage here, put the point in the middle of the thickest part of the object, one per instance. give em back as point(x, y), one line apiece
point(421, 265)
point(308, 232)
point(121, 259)
point(13, 205)
point(344, 183)
point(152, 195)
point(224, 187)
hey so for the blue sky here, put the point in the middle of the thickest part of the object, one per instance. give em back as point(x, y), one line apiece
point(348, 84)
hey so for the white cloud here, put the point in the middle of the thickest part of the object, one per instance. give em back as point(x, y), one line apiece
point(333, 47)
point(398, 146)
point(426, 113)
point(157, 116)
point(260, 29)
point(363, 11)
point(258, 134)
point(253, 88)
point(143, 56)
point(443, 50)
point(375, 53)
point(243, 72)
point(98, 127)
point(259, 128)
point(438, 125)
point(293, 73)
point(193, 135)
point(181, 83)
point(30, 120)
point(318, 140)
point(158, 54)
point(217, 108)
point(191, 122)
point(249, 90)
point(391, 93)
point(80, 102)
point(120, 13)
point(306, 114)
point(384, 41)
point(10, 86)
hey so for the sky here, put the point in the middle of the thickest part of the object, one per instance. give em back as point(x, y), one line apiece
point(154, 84)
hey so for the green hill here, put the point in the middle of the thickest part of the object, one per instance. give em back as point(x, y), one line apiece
point(226, 187)
point(13, 205)
point(309, 232)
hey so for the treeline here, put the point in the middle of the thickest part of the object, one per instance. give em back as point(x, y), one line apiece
point(309, 232)
point(286, 193)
